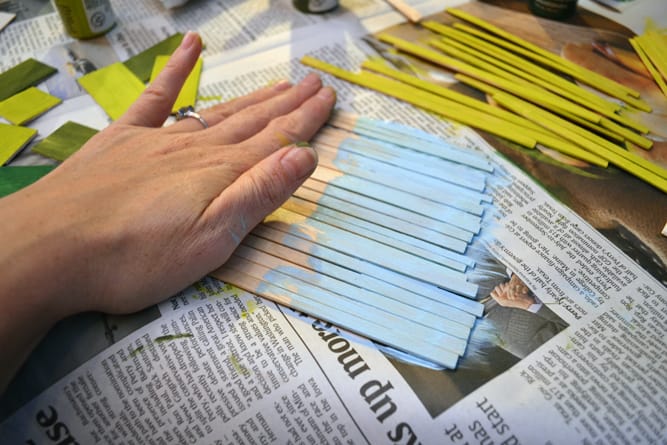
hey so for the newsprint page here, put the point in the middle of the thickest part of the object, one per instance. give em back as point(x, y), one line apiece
point(213, 364)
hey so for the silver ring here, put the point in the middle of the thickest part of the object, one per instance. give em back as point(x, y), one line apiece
point(189, 111)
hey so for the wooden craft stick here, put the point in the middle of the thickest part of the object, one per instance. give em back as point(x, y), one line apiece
point(514, 67)
point(536, 95)
point(416, 140)
point(406, 10)
point(467, 36)
point(626, 134)
point(382, 208)
point(373, 251)
point(302, 242)
point(322, 290)
point(447, 93)
point(394, 177)
point(456, 318)
point(649, 65)
point(633, 164)
point(346, 292)
point(336, 316)
point(387, 221)
point(411, 160)
point(306, 245)
point(448, 109)
point(401, 199)
point(374, 232)
point(589, 77)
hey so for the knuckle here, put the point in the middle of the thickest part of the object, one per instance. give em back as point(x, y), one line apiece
point(155, 91)
point(268, 190)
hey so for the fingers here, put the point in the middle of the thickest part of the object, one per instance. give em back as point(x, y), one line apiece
point(155, 103)
point(261, 190)
point(220, 112)
point(256, 119)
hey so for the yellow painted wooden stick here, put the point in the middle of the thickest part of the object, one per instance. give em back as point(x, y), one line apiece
point(649, 65)
point(526, 91)
point(590, 77)
point(382, 68)
point(422, 99)
point(525, 68)
point(623, 159)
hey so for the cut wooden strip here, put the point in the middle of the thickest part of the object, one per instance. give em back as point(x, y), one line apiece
point(394, 177)
point(375, 232)
point(334, 315)
point(421, 142)
point(372, 303)
point(372, 251)
point(623, 159)
point(428, 101)
point(408, 159)
point(287, 278)
point(448, 94)
point(401, 199)
point(649, 65)
point(439, 308)
point(387, 221)
point(589, 77)
point(467, 36)
point(303, 243)
point(387, 209)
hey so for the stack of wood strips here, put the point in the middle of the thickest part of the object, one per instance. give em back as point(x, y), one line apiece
point(375, 241)
point(534, 98)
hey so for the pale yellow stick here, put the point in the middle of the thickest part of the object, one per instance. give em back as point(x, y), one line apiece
point(637, 103)
point(488, 89)
point(594, 79)
point(520, 75)
point(526, 68)
point(406, 10)
point(474, 56)
point(534, 94)
point(542, 136)
point(414, 96)
point(649, 65)
point(619, 157)
point(381, 68)
point(652, 45)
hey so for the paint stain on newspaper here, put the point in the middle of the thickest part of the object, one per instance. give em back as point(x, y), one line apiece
point(162, 339)
point(252, 306)
point(240, 369)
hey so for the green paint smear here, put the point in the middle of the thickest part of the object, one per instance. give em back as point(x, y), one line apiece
point(136, 351)
point(14, 178)
point(208, 98)
point(171, 337)
point(63, 142)
point(142, 64)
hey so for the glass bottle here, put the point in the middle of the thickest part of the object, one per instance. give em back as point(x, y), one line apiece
point(85, 19)
point(553, 9)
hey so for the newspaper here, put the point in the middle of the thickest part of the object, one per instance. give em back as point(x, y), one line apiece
point(213, 364)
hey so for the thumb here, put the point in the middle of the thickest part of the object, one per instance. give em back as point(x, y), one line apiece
point(264, 187)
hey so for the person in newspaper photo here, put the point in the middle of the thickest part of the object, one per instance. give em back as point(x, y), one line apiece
point(142, 211)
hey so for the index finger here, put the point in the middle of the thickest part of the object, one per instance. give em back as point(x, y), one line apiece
point(155, 103)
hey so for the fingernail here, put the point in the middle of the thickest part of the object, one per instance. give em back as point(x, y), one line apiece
point(326, 93)
point(300, 160)
point(189, 39)
point(310, 79)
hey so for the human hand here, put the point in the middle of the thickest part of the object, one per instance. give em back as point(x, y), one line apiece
point(142, 211)
point(513, 293)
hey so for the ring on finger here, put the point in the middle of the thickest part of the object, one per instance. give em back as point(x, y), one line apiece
point(189, 111)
